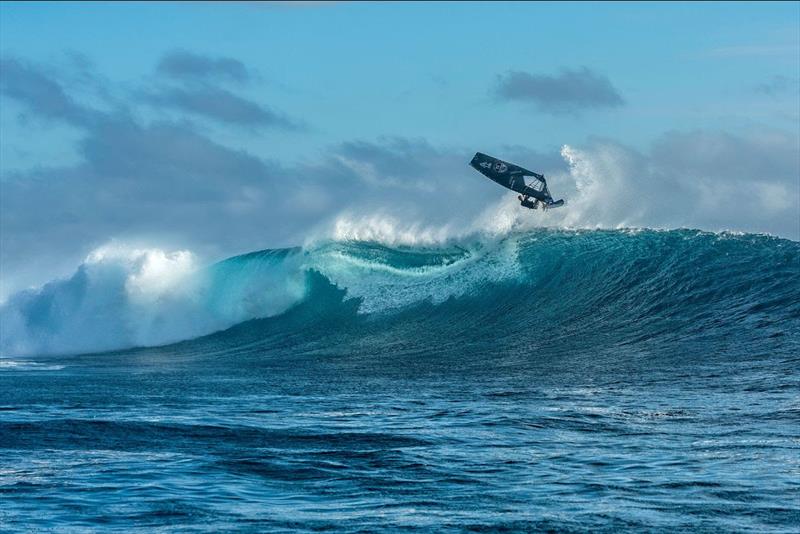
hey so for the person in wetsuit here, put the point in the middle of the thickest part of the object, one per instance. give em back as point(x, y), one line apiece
point(526, 202)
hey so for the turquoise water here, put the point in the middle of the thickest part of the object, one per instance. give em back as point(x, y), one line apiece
point(571, 381)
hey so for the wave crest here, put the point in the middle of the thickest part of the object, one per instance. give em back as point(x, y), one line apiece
point(605, 285)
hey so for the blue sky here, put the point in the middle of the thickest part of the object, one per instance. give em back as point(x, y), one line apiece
point(377, 85)
point(364, 70)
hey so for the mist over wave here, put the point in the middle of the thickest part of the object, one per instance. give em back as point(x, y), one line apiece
point(608, 186)
point(671, 280)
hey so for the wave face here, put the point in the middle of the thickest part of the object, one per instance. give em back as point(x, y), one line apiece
point(655, 290)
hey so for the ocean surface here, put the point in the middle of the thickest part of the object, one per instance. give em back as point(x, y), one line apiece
point(544, 380)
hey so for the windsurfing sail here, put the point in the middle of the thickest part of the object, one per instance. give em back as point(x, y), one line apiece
point(513, 177)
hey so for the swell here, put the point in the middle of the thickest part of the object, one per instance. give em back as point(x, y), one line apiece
point(555, 290)
point(147, 435)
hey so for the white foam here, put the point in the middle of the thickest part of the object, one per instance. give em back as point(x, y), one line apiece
point(129, 296)
point(382, 286)
point(385, 229)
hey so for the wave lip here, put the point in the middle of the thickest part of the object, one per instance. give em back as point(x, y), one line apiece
point(609, 286)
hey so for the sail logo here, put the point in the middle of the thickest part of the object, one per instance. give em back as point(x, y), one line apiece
point(499, 167)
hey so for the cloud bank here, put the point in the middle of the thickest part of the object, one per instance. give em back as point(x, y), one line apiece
point(185, 65)
point(571, 91)
point(43, 95)
point(220, 105)
point(777, 85)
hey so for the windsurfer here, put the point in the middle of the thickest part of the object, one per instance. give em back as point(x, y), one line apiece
point(526, 202)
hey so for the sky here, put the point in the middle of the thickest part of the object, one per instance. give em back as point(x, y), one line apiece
point(227, 127)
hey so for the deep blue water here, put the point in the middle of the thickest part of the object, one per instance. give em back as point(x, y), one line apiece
point(569, 381)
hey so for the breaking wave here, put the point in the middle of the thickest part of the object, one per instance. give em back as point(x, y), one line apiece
point(620, 285)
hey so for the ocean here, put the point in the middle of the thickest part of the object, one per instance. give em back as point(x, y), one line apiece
point(545, 380)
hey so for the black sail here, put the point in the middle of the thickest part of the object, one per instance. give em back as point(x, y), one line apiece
point(511, 176)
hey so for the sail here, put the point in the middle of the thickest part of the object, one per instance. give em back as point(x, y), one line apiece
point(511, 176)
